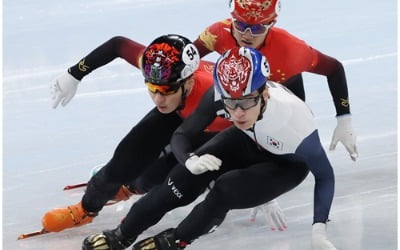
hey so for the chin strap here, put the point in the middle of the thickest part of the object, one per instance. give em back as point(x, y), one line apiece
point(263, 105)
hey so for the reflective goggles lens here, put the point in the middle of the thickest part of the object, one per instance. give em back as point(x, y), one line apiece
point(163, 89)
point(243, 103)
point(255, 29)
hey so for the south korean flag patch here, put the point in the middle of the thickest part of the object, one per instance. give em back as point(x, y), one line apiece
point(278, 145)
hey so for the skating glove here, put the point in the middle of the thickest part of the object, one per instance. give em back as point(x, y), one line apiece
point(345, 134)
point(320, 239)
point(198, 165)
point(63, 88)
point(275, 217)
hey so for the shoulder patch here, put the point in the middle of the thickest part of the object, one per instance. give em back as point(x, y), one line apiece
point(208, 39)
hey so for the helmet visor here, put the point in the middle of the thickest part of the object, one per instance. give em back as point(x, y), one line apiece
point(243, 103)
point(163, 89)
point(255, 29)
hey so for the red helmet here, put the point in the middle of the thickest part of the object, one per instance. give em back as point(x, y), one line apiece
point(255, 11)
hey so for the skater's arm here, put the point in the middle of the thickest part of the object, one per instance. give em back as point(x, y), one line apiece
point(117, 46)
point(193, 126)
point(315, 157)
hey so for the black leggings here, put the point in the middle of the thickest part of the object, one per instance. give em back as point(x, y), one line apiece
point(249, 176)
point(238, 189)
point(138, 151)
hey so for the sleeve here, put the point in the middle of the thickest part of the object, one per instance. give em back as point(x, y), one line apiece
point(118, 46)
point(203, 50)
point(334, 71)
point(337, 82)
point(306, 58)
point(216, 37)
point(193, 126)
point(315, 157)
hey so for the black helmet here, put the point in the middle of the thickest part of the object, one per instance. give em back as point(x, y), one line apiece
point(169, 59)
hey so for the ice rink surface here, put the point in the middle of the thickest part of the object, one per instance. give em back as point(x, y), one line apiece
point(45, 149)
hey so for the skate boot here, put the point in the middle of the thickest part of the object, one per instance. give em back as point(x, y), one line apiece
point(59, 219)
point(108, 239)
point(124, 193)
point(165, 240)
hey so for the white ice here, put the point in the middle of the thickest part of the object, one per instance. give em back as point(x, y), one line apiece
point(45, 149)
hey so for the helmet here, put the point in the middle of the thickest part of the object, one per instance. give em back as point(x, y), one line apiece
point(255, 11)
point(240, 71)
point(169, 59)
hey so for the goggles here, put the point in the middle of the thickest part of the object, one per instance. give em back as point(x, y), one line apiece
point(255, 29)
point(243, 103)
point(169, 89)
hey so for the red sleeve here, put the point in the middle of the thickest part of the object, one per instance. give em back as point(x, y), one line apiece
point(286, 54)
point(324, 64)
point(289, 56)
point(117, 46)
point(217, 37)
point(203, 50)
